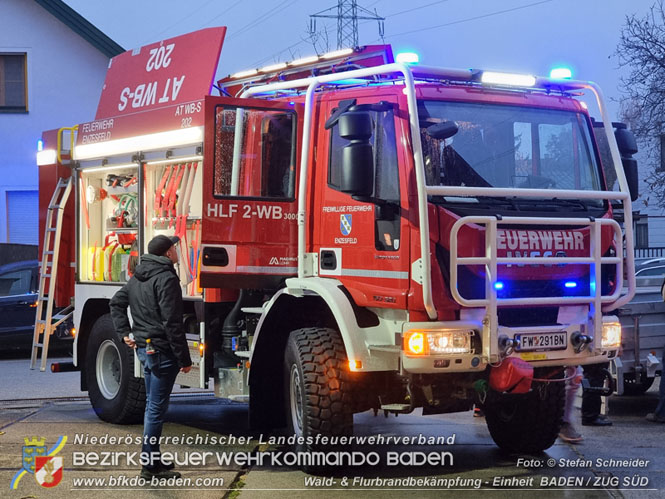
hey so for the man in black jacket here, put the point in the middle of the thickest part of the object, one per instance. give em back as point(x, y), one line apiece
point(155, 298)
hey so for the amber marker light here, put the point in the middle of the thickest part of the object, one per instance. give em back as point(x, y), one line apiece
point(201, 348)
point(72, 331)
point(34, 305)
point(414, 343)
point(355, 365)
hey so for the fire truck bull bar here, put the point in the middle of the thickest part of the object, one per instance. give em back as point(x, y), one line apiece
point(491, 262)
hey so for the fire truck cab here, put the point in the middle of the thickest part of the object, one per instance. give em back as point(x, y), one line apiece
point(355, 234)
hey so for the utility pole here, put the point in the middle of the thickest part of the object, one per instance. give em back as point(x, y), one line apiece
point(347, 13)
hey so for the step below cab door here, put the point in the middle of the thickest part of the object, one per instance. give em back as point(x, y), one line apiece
point(249, 234)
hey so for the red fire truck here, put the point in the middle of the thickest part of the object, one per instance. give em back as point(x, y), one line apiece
point(356, 234)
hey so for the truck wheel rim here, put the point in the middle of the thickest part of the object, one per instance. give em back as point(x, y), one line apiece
point(108, 369)
point(296, 400)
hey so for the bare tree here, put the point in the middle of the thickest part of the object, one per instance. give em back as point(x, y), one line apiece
point(642, 51)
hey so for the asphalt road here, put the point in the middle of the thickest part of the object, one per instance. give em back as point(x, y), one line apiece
point(51, 406)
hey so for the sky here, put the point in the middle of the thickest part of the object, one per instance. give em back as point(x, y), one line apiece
point(528, 36)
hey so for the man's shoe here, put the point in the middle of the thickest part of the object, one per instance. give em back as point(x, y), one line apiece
point(159, 473)
point(167, 467)
point(478, 412)
point(599, 420)
point(569, 434)
point(654, 418)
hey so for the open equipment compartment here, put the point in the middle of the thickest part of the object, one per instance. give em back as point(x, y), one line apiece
point(109, 212)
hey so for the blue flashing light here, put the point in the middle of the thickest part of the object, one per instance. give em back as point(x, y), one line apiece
point(498, 285)
point(291, 103)
point(40, 145)
point(570, 284)
point(561, 73)
point(407, 58)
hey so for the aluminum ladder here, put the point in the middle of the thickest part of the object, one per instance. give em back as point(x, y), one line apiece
point(45, 321)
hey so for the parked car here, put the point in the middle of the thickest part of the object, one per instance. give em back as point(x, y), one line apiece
point(19, 288)
point(651, 274)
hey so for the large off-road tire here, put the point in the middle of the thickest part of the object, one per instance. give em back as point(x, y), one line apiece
point(116, 395)
point(639, 386)
point(527, 423)
point(317, 388)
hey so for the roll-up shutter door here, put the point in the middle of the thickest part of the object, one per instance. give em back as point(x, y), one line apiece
point(23, 217)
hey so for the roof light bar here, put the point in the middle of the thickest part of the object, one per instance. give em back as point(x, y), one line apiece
point(337, 53)
point(510, 79)
point(273, 67)
point(244, 74)
point(298, 62)
point(304, 60)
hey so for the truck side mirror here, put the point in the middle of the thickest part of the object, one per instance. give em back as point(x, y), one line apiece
point(357, 172)
point(627, 147)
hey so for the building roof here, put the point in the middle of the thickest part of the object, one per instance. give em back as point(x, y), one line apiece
point(82, 27)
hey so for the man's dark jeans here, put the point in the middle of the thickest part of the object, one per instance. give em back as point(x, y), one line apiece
point(591, 402)
point(160, 370)
point(660, 410)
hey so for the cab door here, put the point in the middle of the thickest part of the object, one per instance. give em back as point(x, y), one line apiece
point(249, 230)
point(364, 242)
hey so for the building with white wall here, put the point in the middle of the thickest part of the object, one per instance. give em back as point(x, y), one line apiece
point(52, 68)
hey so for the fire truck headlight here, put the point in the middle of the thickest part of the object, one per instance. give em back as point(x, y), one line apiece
point(611, 335)
point(449, 342)
point(436, 342)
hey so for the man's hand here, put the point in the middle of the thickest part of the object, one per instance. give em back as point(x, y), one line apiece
point(129, 342)
point(185, 369)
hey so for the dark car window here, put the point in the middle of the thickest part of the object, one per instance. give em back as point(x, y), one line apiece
point(15, 283)
point(655, 271)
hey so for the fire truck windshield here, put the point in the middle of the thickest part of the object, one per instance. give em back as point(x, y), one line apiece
point(508, 146)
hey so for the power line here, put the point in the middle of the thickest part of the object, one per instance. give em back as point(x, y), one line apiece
point(179, 21)
point(420, 29)
point(469, 19)
point(262, 18)
point(221, 14)
point(275, 54)
point(415, 8)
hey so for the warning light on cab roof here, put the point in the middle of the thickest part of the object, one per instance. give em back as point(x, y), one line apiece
point(510, 79)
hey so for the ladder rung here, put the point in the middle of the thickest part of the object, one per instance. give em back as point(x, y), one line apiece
point(38, 345)
point(48, 252)
point(40, 321)
point(54, 206)
point(51, 229)
point(44, 276)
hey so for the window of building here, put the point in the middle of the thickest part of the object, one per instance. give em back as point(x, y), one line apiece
point(642, 235)
point(13, 93)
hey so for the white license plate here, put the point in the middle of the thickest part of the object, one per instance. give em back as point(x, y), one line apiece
point(542, 341)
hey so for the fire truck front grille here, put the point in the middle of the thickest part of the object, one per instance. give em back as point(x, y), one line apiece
point(472, 286)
